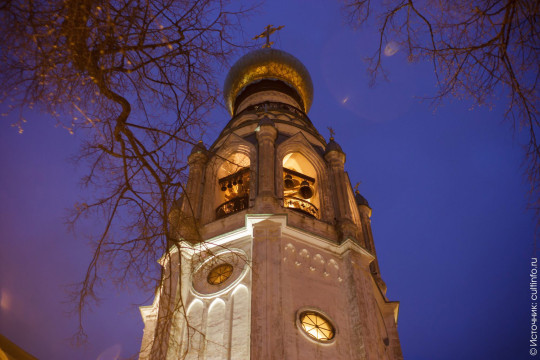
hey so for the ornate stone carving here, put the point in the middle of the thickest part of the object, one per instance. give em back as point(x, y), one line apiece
point(317, 264)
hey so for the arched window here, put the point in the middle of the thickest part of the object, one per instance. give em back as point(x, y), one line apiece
point(233, 182)
point(300, 186)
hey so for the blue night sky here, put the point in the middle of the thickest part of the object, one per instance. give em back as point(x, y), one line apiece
point(450, 220)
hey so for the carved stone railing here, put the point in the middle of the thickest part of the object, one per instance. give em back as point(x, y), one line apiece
point(269, 106)
point(277, 106)
point(301, 205)
point(230, 207)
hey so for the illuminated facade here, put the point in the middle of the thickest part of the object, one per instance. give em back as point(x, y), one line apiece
point(286, 268)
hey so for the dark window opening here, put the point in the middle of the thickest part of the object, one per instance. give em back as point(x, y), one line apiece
point(235, 189)
point(298, 192)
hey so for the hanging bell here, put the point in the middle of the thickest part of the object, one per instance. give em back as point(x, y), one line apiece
point(289, 183)
point(240, 181)
point(229, 185)
point(223, 187)
point(306, 191)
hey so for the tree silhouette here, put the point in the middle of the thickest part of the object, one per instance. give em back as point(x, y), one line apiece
point(480, 50)
point(136, 78)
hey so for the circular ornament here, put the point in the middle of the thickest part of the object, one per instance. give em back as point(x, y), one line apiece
point(316, 326)
point(219, 274)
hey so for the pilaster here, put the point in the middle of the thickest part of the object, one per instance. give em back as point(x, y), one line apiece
point(267, 328)
point(266, 132)
point(365, 219)
point(197, 161)
point(167, 305)
point(336, 165)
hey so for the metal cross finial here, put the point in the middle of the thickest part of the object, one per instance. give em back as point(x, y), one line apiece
point(267, 32)
point(332, 133)
point(356, 186)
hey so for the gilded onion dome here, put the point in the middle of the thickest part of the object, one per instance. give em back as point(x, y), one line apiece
point(268, 64)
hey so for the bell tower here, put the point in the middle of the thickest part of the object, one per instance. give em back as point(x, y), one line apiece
point(284, 263)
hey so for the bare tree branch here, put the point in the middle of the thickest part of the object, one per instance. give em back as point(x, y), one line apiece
point(136, 77)
point(480, 51)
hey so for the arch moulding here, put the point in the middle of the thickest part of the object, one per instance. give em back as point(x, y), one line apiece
point(300, 144)
point(233, 144)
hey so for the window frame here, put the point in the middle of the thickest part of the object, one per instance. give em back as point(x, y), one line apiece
point(322, 314)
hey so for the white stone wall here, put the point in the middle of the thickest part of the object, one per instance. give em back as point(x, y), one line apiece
point(216, 324)
point(281, 271)
point(293, 271)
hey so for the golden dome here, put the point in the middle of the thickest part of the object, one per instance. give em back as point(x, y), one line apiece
point(268, 63)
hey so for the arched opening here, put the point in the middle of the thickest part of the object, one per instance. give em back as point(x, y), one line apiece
point(300, 185)
point(233, 182)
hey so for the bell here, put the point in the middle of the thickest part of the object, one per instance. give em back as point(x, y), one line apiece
point(223, 187)
point(240, 181)
point(229, 185)
point(305, 190)
point(289, 183)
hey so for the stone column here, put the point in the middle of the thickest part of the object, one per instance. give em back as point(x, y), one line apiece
point(193, 191)
point(186, 219)
point(335, 158)
point(365, 218)
point(267, 326)
point(358, 293)
point(162, 326)
point(266, 195)
point(389, 317)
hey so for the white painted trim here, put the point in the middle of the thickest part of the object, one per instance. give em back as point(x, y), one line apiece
point(282, 219)
point(226, 289)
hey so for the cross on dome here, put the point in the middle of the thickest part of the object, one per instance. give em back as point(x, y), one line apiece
point(269, 29)
point(332, 132)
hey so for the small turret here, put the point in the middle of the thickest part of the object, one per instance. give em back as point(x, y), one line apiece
point(363, 205)
point(333, 146)
point(198, 148)
point(360, 200)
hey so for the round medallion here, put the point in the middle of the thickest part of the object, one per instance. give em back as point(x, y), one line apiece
point(316, 326)
point(220, 273)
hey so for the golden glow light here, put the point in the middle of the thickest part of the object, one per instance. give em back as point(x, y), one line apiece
point(268, 63)
point(317, 326)
point(220, 273)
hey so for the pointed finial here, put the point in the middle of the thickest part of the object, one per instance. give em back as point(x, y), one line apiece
point(332, 133)
point(356, 187)
point(266, 33)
